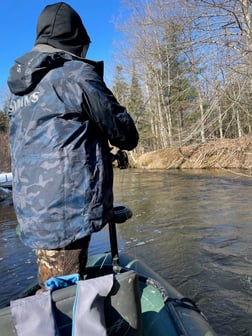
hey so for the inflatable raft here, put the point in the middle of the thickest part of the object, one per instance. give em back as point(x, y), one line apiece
point(139, 303)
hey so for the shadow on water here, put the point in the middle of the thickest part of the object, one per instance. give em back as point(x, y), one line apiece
point(192, 227)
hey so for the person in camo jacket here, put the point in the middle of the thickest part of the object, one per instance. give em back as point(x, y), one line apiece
point(63, 121)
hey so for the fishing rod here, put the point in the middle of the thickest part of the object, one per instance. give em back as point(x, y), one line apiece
point(121, 214)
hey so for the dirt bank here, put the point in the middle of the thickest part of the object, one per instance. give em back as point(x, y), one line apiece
point(227, 153)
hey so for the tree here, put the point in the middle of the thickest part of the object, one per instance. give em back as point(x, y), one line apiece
point(120, 87)
point(136, 107)
point(225, 28)
point(192, 61)
point(4, 122)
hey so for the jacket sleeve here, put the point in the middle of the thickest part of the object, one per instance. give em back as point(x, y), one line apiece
point(100, 105)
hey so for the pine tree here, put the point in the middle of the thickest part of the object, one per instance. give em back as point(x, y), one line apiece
point(120, 87)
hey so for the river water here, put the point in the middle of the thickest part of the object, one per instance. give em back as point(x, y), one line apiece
point(193, 227)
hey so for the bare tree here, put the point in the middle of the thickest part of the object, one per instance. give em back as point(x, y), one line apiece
point(193, 62)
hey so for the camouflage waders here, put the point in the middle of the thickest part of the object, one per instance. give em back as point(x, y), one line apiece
point(68, 260)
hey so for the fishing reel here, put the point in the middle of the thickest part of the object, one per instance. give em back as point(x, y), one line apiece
point(122, 159)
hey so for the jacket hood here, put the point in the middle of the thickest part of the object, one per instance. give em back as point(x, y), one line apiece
point(29, 69)
point(60, 26)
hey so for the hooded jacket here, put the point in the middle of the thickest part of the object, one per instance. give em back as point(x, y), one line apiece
point(62, 118)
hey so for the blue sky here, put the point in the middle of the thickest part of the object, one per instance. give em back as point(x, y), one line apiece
point(18, 28)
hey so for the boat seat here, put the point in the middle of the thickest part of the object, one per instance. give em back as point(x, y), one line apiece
point(122, 308)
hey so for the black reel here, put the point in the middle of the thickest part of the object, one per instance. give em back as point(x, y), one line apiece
point(121, 214)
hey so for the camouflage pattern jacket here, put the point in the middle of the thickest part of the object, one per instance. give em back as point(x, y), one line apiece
point(62, 117)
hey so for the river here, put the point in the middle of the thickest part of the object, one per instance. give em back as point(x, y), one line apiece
point(193, 227)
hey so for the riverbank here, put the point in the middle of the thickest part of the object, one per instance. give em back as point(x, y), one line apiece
point(223, 154)
point(227, 153)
